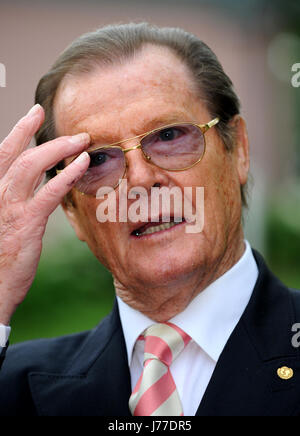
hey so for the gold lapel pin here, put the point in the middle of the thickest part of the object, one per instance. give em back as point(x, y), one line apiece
point(285, 373)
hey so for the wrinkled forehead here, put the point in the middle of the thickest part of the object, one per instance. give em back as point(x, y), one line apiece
point(154, 81)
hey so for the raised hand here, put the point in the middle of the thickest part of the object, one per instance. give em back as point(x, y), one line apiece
point(24, 210)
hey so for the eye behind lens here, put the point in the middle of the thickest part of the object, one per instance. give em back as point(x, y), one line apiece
point(107, 167)
point(175, 147)
point(170, 134)
point(97, 158)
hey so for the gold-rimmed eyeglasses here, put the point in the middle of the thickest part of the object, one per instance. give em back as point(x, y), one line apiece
point(175, 147)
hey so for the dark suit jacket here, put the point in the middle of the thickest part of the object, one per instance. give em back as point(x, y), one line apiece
point(87, 374)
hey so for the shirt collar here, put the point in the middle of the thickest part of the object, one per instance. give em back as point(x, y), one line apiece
point(211, 317)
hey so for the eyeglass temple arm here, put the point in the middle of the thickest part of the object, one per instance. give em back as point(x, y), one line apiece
point(212, 123)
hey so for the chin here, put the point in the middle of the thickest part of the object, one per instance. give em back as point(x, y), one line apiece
point(165, 272)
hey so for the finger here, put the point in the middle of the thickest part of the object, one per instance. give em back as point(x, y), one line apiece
point(51, 195)
point(40, 182)
point(20, 137)
point(21, 178)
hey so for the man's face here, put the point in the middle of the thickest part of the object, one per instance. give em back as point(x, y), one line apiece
point(120, 102)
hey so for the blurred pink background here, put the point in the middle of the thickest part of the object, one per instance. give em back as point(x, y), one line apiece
point(32, 34)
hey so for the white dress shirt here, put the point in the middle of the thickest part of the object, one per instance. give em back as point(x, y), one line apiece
point(209, 320)
point(4, 335)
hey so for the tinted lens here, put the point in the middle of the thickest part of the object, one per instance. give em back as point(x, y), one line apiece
point(107, 166)
point(175, 147)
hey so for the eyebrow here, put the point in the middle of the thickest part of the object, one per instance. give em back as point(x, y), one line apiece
point(164, 120)
point(152, 124)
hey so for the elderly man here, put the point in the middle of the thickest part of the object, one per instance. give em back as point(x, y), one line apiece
point(200, 326)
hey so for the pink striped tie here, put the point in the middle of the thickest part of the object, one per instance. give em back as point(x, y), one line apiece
point(155, 393)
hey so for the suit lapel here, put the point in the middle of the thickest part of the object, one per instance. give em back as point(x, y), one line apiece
point(245, 381)
point(95, 383)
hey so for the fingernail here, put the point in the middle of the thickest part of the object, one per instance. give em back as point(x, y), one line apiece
point(82, 157)
point(34, 110)
point(81, 138)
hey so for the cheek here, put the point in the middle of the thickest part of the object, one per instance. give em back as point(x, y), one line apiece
point(103, 239)
point(218, 176)
point(225, 191)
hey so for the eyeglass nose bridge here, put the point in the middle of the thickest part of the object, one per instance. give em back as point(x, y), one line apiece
point(136, 147)
point(126, 150)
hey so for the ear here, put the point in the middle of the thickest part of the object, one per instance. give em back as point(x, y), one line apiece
point(241, 148)
point(71, 214)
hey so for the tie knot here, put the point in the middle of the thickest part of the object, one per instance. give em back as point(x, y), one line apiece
point(164, 342)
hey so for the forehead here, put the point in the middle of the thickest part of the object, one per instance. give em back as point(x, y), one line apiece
point(153, 84)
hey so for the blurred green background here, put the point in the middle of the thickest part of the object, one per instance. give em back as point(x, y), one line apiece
point(71, 293)
point(257, 40)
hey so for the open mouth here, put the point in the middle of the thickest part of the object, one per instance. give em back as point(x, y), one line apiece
point(151, 228)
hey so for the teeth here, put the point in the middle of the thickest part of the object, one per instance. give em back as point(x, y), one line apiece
point(156, 229)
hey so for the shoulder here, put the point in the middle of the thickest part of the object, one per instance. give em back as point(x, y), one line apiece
point(295, 295)
point(42, 354)
point(22, 359)
point(55, 355)
point(267, 278)
point(273, 311)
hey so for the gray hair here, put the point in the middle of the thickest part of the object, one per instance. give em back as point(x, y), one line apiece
point(115, 44)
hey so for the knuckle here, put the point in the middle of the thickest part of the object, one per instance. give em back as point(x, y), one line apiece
point(5, 156)
point(3, 190)
point(26, 160)
point(67, 172)
point(22, 126)
point(51, 190)
point(12, 219)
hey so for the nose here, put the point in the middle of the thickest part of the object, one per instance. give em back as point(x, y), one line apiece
point(140, 171)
